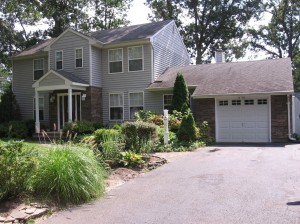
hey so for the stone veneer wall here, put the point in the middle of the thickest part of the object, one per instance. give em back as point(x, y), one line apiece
point(204, 110)
point(279, 119)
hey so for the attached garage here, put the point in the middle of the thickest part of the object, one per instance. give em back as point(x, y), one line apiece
point(241, 101)
point(243, 119)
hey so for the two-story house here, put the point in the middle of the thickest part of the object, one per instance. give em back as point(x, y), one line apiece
point(107, 76)
point(102, 76)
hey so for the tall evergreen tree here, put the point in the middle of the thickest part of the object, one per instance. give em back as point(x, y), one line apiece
point(9, 109)
point(208, 25)
point(180, 101)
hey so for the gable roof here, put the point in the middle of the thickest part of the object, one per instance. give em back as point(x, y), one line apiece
point(129, 33)
point(34, 49)
point(70, 76)
point(251, 77)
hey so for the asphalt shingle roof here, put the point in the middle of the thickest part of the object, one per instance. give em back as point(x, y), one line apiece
point(129, 33)
point(35, 49)
point(70, 76)
point(249, 77)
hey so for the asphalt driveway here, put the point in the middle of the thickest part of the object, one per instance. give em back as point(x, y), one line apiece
point(232, 185)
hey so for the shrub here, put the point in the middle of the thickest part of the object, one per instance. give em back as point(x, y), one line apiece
point(79, 127)
point(17, 163)
point(3, 130)
point(138, 134)
point(68, 175)
point(110, 143)
point(130, 159)
point(187, 129)
point(161, 131)
point(17, 129)
point(104, 134)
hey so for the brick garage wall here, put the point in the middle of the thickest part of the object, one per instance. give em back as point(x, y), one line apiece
point(279, 119)
point(204, 110)
point(91, 108)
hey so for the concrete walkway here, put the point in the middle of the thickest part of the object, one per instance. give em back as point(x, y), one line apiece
point(230, 185)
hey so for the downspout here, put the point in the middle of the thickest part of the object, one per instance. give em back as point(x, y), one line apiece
point(289, 117)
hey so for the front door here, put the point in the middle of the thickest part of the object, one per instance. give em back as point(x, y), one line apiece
point(63, 108)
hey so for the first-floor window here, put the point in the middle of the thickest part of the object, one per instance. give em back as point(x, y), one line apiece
point(136, 103)
point(168, 101)
point(41, 108)
point(116, 106)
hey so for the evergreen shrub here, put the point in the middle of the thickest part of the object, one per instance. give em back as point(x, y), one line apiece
point(187, 130)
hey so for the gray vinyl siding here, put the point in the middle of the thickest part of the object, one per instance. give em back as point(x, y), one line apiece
point(96, 67)
point(22, 87)
point(68, 43)
point(169, 50)
point(125, 82)
point(52, 80)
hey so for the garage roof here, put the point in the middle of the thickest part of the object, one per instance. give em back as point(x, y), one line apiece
point(250, 77)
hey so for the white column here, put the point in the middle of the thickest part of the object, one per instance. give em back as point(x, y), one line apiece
point(37, 112)
point(70, 109)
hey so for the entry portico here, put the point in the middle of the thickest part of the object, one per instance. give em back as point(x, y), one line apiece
point(55, 80)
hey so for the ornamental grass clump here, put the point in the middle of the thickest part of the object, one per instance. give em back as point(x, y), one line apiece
point(68, 175)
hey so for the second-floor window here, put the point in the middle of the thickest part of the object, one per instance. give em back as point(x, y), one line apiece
point(59, 60)
point(135, 58)
point(38, 68)
point(115, 58)
point(78, 58)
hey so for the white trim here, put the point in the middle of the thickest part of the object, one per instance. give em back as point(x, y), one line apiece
point(270, 119)
point(43, 97)
point(59, 87)
point(240, 94)
point(216, 120)
point(129, 105)
point(38, 70)
point(49, 62)
point(91, 65)
point(163, 100)
point(152, 63)
point(115, 61)
point(109, 105)
point(143, 67)
point(62, 59)
point(78, 48)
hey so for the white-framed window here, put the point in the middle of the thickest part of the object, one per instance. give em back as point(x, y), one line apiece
point(168, 101)
point(262, 101)
point(249, 102)
point(115, 60)
point(236, 102)
point(78, 57)
point(38, 68)
point(116, 106)
point(136, 103)
point(223, 102)
point(41, 108)
point(135, 58)
point(59, 60)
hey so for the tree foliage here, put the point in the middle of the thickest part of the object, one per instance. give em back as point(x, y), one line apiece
point(209, 24)
point(9, 109)
point(187, 129)
point(180, 101)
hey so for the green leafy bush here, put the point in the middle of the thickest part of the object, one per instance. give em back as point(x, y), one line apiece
point(187, 129)
point(3, 130)
point(138, 134)
point(172, 135)
point(110, 143)
point(68, 175)
point(79, 127)
point(131, 159)
point(17, 163)
point(17, 129)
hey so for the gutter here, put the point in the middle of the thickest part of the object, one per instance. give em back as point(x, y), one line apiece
point(289, 117)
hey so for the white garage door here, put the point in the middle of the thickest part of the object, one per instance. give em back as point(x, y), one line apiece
point(243, 120)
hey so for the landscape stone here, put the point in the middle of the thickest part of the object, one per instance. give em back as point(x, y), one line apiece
point(2, 219)
point(38, 212)
point(9, 219)
point(18, 214)
point(30, 210)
